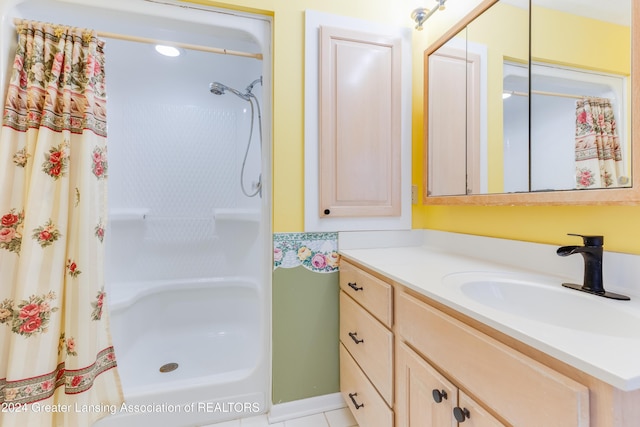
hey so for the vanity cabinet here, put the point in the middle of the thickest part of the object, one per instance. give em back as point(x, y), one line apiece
point(428, 399)
point(413, 345)
point(366, 346)
point(515, 388)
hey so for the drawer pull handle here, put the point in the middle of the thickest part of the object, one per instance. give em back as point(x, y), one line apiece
point(356, 404)
point(354, 286)
point(461, 414)
point(438, 395)
point(354, 337)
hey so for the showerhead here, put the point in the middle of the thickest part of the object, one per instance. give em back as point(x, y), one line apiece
point(218, 88)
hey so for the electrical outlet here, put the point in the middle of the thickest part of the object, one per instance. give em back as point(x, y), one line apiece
point(414, 194)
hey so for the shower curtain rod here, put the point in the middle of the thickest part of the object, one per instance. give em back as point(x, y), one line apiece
point(189, 46)
point(541, 92)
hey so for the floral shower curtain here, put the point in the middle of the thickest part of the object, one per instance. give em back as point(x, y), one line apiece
point(598, 154)
point(57, 365)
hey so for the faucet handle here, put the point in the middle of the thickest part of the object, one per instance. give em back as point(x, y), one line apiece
point(590, 240)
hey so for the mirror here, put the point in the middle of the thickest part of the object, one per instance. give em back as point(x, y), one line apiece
point(506, 124)
point(452, 162)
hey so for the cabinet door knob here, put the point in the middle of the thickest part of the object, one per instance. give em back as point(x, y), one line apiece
point(327, 211)
point(356, 404)
point(354, 286)
point(438, 395)
point(461, 414)
point(354, 337)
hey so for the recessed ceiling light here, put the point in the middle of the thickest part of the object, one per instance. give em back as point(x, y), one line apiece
point(167, 50)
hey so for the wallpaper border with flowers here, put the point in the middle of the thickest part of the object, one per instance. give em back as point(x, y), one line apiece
point(317, 252)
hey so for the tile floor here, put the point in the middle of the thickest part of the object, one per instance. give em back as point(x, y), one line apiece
point(337, 418)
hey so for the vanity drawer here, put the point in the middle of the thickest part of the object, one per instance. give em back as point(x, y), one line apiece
point(370, 344)
point(369, 291)
point(486, 368)
point(357, 390)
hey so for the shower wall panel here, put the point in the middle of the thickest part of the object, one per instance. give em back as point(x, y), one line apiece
point(176, 165)
point(176, 160)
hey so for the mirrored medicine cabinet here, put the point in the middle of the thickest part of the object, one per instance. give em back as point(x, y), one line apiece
point(535, 102)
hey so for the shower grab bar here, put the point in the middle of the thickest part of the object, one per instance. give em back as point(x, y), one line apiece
point(133, 216)
point(240, 216)
point(125, 214)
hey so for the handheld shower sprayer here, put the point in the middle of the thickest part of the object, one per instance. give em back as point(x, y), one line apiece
point(218, 88)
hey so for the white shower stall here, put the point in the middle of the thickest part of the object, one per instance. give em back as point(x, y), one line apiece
point(188, 254)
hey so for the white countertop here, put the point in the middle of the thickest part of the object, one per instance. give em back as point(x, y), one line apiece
point(611, 357)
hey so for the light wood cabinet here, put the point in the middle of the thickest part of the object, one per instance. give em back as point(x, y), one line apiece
point(366, 347)
point(511, 384)
point(373, 294)
point(360, 129)
point(416, 383)
point(362, 398)
point(428, 399)
point(474, 414)
point(418, 346)
point(370, 343)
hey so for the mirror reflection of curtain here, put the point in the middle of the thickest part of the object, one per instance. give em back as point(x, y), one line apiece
point(598, 153)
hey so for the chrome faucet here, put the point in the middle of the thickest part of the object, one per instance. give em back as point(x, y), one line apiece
point(592, 254)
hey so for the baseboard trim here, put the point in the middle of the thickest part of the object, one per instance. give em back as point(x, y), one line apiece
point(300, 408)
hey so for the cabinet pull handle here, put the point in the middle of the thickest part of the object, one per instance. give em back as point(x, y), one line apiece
point(354, 337)
point(354, 286)
point(461, 414)
point(438, 395)
point(356, 404)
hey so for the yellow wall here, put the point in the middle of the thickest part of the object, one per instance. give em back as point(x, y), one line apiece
point(590, 42)
point(620, 225)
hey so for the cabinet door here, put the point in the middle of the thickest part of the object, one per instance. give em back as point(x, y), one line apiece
point(418, 387)
point(486, 368)
point(475, 415)
point(360, 124)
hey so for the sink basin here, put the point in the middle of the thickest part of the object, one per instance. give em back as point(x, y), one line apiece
point(544, 301)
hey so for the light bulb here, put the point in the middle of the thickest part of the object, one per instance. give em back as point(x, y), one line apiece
point(167, 50)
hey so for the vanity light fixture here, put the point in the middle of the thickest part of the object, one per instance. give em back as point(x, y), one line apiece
point(167, 50)
point(421, 14)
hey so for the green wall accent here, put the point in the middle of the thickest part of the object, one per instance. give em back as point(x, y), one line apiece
point(305, 334)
